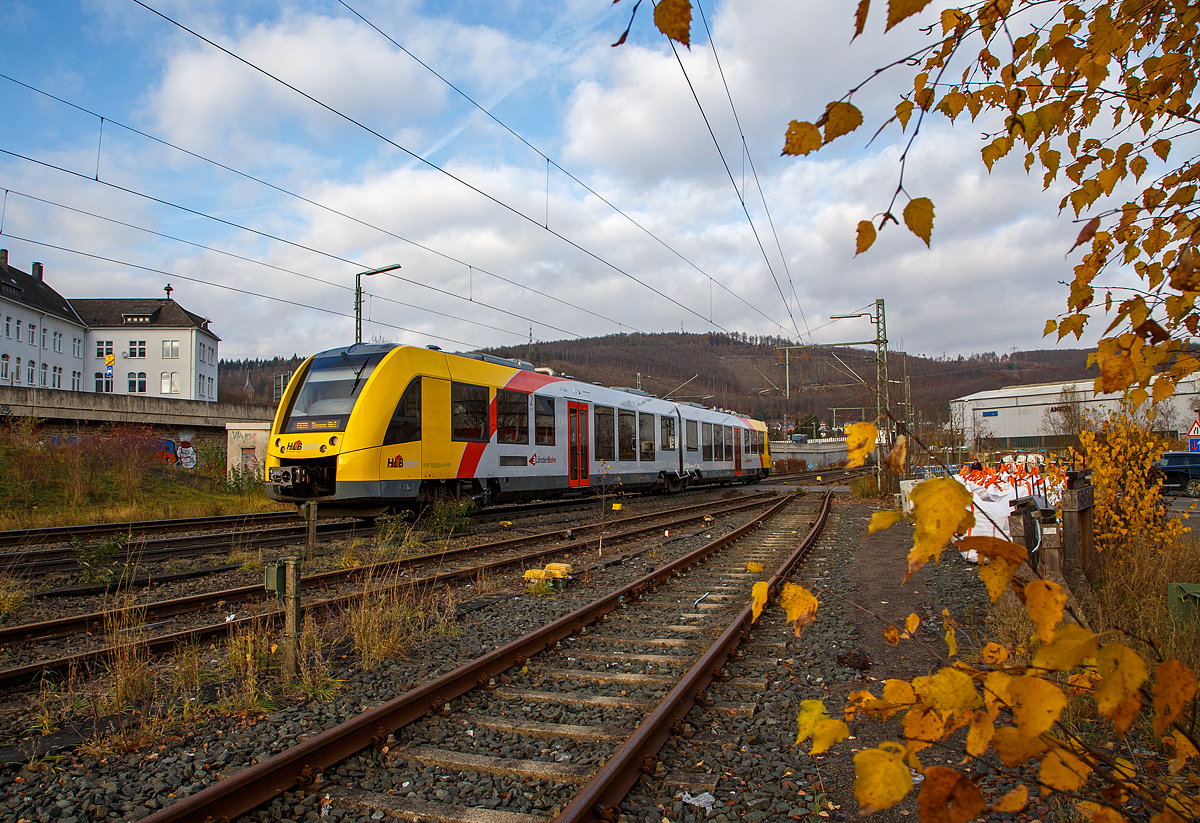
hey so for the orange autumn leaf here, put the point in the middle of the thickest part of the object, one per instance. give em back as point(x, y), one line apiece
point(918, 216)
point(994, 654)
point(865, 237)
point(1070, 646)
point(892, 635)
point(841, 118)
point(941, 511)
point(860, 439)
point(1174, 685)
point(1039, 704)
point(911, 622)
point(754, 568)
point(948, 796)
point(674, 19)
point(758, 597)
point(802, 138)
point(979, 734)
point(1122, 671)
point(894, 462)
point(1013, 748)
point(800, 605)
point(883, 520)
point(1062, 771)
point(1013, 801)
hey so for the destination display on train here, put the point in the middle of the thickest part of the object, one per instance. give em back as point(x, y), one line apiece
point(332, 423)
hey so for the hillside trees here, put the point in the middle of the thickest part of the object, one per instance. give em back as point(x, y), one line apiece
point(1098, 94)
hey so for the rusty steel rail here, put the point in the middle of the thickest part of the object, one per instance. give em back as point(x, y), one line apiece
point(598, 799)
point(170, 608)
point(300, 765)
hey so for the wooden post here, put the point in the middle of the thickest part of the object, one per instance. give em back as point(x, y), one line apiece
point(291, 616)
point(310, 546)
point(1077, 504)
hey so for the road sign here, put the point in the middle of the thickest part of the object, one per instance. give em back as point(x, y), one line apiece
point(1194, 444)
point(109, 360)
point(1194, 431)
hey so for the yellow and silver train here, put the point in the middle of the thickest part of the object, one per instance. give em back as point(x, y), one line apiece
point(373, 428)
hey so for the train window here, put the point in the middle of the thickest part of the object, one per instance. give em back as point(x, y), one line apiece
point(469, 412)
point(512, 417)
point(667, 425)
point(718, 443)
point(762, 442)
point(543, 421)
point(708, 442)
point(328, 392)
point(606, 446)
point(745, 441)
point(405, 425)
point(627, 435)
point(751, 441)
point(646, 438)
point(729, 444)
point(693, 435)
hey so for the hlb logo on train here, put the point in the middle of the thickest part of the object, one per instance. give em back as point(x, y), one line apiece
point(398, 462)
point(535, 460)
point(300, 446)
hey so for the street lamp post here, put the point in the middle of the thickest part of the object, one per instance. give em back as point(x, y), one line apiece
point(358, 297)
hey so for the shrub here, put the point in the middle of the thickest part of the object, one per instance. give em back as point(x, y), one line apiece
point(447, 516)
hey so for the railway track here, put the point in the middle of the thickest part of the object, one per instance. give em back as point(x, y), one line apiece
point(63, 534)
point(643, 655)
point(576, 539)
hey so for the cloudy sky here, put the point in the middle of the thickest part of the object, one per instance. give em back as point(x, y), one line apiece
point(544, 181)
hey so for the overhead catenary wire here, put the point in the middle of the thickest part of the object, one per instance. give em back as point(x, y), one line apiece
point(753, 171)
point(491, 198)
point(551, 162)
point(267, 235)
point(178, 276)
point(253, 261)
point(316, 204)
point(732, 181)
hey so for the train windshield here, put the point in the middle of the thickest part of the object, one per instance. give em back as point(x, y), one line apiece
point(330, 388)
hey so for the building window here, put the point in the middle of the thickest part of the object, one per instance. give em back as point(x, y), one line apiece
point(77, 348)
point(43, 337)
point(210, 388)
point(137, 349)
point(170, 349)
point(29, 371)
point(58, 338)
point(8, 327)
point(104, 385)
point(169, 382)
point(32, 335)
point(57, 377)
point(76, 381)
point(104, 347)
point(18, 330)
point(45, 374)
point(3, 366)
point(17, 371)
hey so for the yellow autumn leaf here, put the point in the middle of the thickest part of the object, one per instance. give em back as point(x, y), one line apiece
point(979, 734)
point(883, 520)
point(1174, 685)
point(941, 511)
point(860, 17)
point(1013, 748)
point(1045, 600)
point(994, 654)
point(892, 635)
point(1071, 645)
point(866, 234)
point(894, 462)
point(860, 439)
point(1122, 671)
point(951, 641)
point(841, 118)
point(811, 712)
point(1062, 771)
point(1122, 717)
point(1166, 816)
point(911, 623)
point(758, 598)
point(802, 138)
point(899, 10)
point(881, 777)
point(904, 110)
point(1038, 704)
point(827, 732)
point(1184, 751)
point(899, 691)
point(800, 605)
point(674, 19)
point(1013, 801)
point(918, 216)
point(948, 796)
point(754, 568)
point(922, 728)
point(949, 690)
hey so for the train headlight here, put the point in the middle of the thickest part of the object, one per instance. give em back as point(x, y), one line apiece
point(278, 442)
point(324, 449)
point(333, 441)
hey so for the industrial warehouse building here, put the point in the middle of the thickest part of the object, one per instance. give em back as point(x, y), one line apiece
point(1033, 416)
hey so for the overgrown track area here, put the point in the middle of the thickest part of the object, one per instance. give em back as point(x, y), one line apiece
point(62, 534)
point(576, 671)
point(31, 650)
point(830, 476)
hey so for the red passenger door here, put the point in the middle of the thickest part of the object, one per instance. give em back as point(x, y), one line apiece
point(577, 443)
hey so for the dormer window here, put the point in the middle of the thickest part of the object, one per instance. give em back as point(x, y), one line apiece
point(128, 319)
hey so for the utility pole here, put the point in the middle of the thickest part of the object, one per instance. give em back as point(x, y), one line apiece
point(358, 294)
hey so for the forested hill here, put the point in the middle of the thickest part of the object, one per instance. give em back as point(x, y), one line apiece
point(746, 373)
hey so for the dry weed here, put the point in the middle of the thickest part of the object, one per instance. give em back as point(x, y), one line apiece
point(315, 681)
point(14, 594)
point(128, 664)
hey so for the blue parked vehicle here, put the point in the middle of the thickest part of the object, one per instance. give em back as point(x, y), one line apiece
point(1180, 473)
